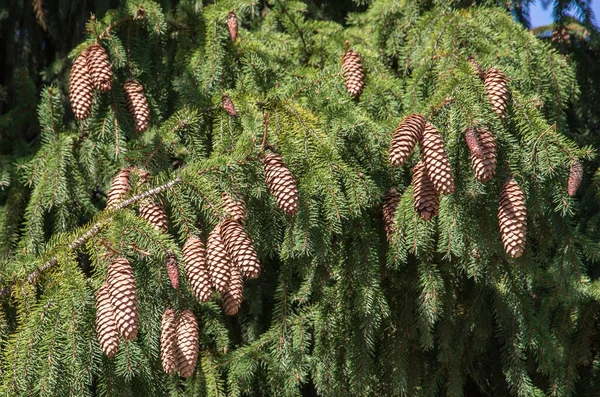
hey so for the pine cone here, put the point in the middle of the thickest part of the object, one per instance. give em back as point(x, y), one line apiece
point(228, 106)
point(168, 342)
point(484, 167)
point(232, 298)
point(234, 208)
point(119, 188)
point(232, 25)
point(154, 212)
point(137, 105)
point(354, 74)
point(240, 248)
point(496, 87)
point(173, 269)
point(575, 177)
point(81, 88)
point(99, 67)
point(472, 138)
point(196, 269)
point(512, 216)
point(407, 133)
point(281, 183)
point(106, 327)
point(478, 70)
point(219, 263)
point(123, 298)
point(436, 160)
point(390, 204)
point(187, 343)
point(426, 198)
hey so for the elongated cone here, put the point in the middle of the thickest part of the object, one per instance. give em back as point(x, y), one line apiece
point(484, 167)
point(168, 341)
point(232, 25)
point(512, 216)
point(99, 67)
point(240, 248)
point(219, 263)
point(354, 74)
point(478, 70)
point(496, 87)
point(123, 297)
point(436, 160)
point(575, 177)
point(281, 183)
point(405, 137)
point(390, 204)
point(173, 269)
point(154, 212)
point(232, 298)
point(426, 198)
point(119, 188)
point(187, 343)
point(472, 138)
point(137, 104)
point(196, 269)
point(234, 208)
point(106, 327)
point(81, 88)
point(228, 106)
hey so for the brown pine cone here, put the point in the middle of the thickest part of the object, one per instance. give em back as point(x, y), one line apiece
point(281, 183)
point(472, 138)
point(240, 248)
point(405, 137)
point(436, 160)
point(478, 70)
point(99, 67)
point(496, 87)
point(137, 104)
point(106, 327)
point(123, 297)
point(232, 25)
point(196, 269)
point(219, 263)
point(187, 343)
point(512, 216)
point(154, 212)
point(119, 188)
point(232, 298)
point(484, 167)
point(234, 208)
point(354, 74)
point(426, 198)
point(173, 269)
point(390, 204)
point(228, 106)
point(575, 177)
point(168, 342)
point(81, 88)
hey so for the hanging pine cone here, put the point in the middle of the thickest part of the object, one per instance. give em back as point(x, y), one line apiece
point(426, 198)
point(187, 343)
point(173, 269)
point(240, 248)
point(137, 104)
point(234, 208)
point(478, 70)
point(281, 183)
point(436, 160)
point(407, 133)
point(232, 25)
point(390, 204)
point(196, 269)
point(354, 74)
point(512, 216)
point(219, 263)
point(123, 298)
point(99, 67)
point(472, 138)
point(496, 87)
point(232, 298)
point(168, 342)
point(484, 167)
point(119, 188)
point(575, 176)
point(81, 88)
point(154, 212)
point(106, 327)
point(228, 106)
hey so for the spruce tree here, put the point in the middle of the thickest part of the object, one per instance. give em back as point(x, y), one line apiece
point(464, 280)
